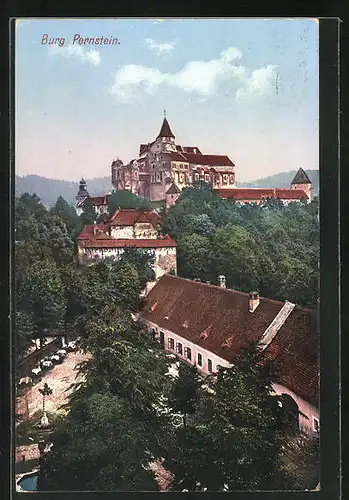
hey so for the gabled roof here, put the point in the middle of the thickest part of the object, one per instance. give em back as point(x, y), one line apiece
point(219, 321)
point(130, 217)
point(212, 160)
point(173, 189)
point(301, 177)
point(165, 130)
point(257, 194)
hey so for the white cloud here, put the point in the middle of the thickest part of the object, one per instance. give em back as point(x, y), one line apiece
point(261, 83)
point(159, 48)
point(200, 77)
point(78, 52)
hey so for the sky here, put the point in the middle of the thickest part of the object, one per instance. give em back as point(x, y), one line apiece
point(246, 88)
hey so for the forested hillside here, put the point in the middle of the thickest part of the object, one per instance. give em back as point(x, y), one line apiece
point(48, 190)
point(271, 248)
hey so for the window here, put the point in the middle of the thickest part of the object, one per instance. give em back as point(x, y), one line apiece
point(197, 177)
point(171, 343)
point(231, 179)
point(316, 424)
point(209, 364)
point(179, 348)
point(199, 359)
point(225, 178)
point(187, 353)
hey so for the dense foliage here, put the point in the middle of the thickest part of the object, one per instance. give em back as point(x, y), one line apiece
point(272, 248)
point(50, 289)
point(123, 417)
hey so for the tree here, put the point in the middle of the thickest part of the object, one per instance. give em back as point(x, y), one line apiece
point(185, 391)
point(23, 331)
point(112, 430)
point(142, 261)
point(41, 294)
point(119, 200)
point(236, 445)
point(88, 215)
point(107, 450)
point(66, 212)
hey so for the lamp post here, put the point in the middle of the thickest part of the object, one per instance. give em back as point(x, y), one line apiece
point(45, 391)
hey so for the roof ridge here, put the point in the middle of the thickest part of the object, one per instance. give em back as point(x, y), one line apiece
point(225, 290)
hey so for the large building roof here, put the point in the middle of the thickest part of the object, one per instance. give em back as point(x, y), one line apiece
point(257, 194)
point(301, 177)
point(210, 160)
point(219, 321)
point(165, 130)
point(130, 217)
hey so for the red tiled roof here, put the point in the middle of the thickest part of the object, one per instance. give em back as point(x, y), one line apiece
point(295, 350)
point(130, 217)
point(261, 193)
point(212, 160)
point(188, 149)
point(88, 230)
point(177, 157)
point(128, 243)
point(216, 316)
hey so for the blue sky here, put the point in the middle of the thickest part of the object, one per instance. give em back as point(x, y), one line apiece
point(246, 88)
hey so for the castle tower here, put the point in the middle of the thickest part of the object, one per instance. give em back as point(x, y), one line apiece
point(302, 181)
point(82, 193)
point(166, 136)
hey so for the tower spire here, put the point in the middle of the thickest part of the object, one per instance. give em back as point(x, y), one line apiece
point(164, 113)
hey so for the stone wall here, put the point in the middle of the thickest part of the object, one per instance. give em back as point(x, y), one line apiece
point(165, 260)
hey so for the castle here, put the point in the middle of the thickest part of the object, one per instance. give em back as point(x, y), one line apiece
point(164, 168)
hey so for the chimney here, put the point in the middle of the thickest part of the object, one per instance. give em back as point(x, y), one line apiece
point(253, 301)
point(221, 281)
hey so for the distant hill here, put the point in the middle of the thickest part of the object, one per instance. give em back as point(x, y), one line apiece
point(283, 180)
point(48, 190)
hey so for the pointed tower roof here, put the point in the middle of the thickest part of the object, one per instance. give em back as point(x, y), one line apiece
point(165, 130)
point(301, 178)
point(173, 189)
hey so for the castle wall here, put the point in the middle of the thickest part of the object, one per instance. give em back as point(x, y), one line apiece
point(166, 259)
point(145, 230)
point(121, 232)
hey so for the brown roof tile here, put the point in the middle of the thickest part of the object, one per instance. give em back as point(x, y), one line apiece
point(261, 193)
point(212, 160)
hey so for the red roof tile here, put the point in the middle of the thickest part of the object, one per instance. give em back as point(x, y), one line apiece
point(177, 157)
point(218, 320)
point(261, 193)
point(212, 160)
point(129, 243)
point(130, 217)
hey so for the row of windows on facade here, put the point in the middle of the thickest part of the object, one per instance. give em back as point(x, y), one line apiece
point(188, 354)
point(188, 178)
